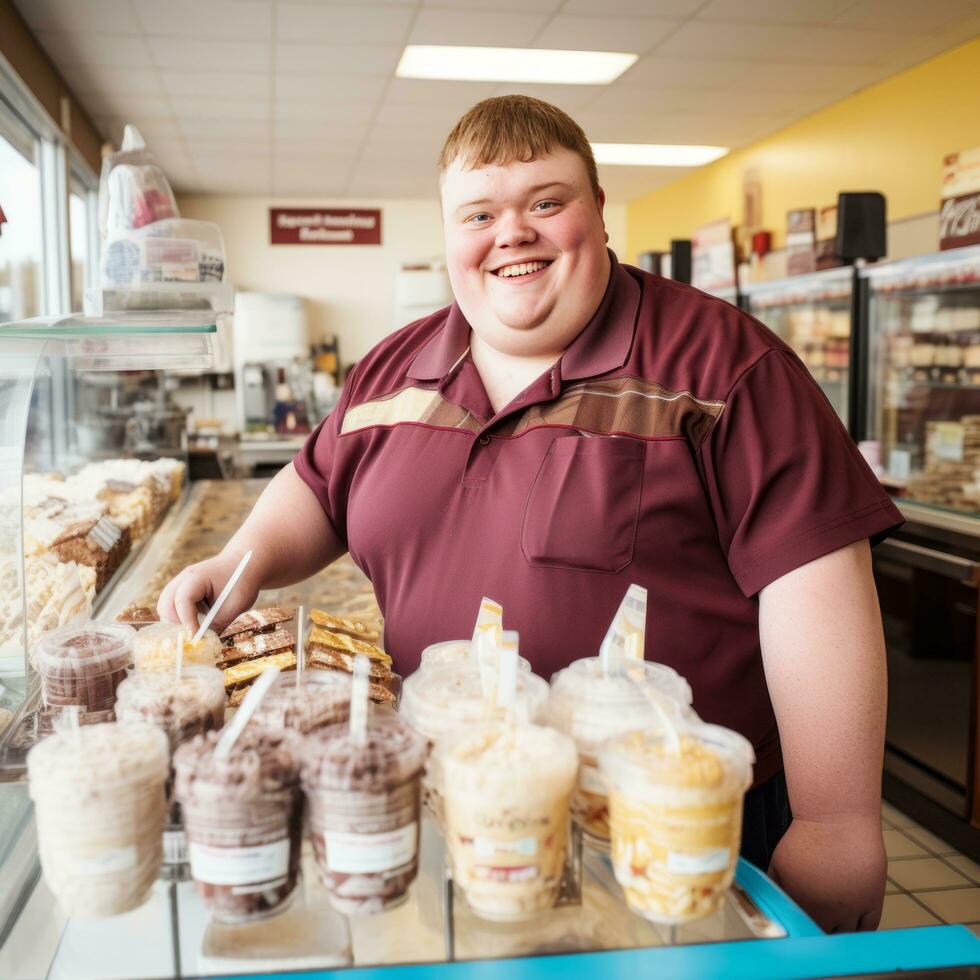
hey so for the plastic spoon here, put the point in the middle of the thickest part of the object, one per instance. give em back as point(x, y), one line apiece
point(300, 653)
point(252, 700)
point(359, 691)
point(225, 592)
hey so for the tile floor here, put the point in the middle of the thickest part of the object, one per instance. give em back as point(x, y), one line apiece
point(929, 881)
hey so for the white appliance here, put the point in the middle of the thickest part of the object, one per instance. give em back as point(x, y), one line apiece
point(421, 288)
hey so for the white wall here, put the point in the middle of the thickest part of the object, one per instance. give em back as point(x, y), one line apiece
point(350, 289)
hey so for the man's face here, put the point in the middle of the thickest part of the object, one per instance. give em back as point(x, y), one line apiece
point(526, 252)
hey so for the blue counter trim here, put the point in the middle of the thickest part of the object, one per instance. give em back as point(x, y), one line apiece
point(759, 959)
point(774, 902)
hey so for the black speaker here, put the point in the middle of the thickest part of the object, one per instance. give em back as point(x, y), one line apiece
point(860, 226)
point(680, 259)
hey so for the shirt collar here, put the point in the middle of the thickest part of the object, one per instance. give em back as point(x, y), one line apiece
point(602, 346)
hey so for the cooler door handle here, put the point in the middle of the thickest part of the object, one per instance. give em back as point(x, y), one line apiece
point(950, 566)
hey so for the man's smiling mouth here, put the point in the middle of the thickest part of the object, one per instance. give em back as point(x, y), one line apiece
point(520, 269)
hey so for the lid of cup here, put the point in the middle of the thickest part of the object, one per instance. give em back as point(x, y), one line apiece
point(84, 649)
point(442, 699)
point(455, 652)
point(97, 757)
point(321, 691)
point(584, 680)
point(392, 753)
point(199, 685)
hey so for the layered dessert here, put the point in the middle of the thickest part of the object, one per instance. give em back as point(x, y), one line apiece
point(591, 706)
point(675, 813)
point(364, 812)
point(155, 647)
point(100, 807)
point(506, 789)
point(334, 642)
point(322, 700)
point(243, 819)
point(254, 642)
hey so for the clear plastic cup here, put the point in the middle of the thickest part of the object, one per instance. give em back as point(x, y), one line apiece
point(676, 818)
point(243, 819)
point(506, 790)
point(456, 652)
point(84, 665)
point(100, 806)
point(444, 700)
point(364, 812)
point(323, 699)
point(590, 706)
point(155, 647)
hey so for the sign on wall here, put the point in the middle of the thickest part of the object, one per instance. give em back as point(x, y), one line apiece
point(959, 216)
point(325, 226)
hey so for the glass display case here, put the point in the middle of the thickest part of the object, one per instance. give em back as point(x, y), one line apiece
point(923, 435)
point(813, 314)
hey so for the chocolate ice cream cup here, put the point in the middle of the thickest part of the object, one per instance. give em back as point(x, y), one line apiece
point(364, 812)
point(243, 819)
point(100, 807)
point(323, 699)
point(83, 665)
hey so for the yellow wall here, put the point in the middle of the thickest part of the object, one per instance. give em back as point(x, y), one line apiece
point(891, 137)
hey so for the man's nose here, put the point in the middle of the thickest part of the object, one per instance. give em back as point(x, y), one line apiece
point(513, 229)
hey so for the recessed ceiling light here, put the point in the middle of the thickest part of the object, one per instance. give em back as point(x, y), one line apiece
point(513, 65)
point(656, 154)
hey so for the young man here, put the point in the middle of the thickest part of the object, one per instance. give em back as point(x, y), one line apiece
point(571, 425)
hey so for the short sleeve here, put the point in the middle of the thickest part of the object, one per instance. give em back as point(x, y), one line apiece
point(785, 481)
point(317, 464)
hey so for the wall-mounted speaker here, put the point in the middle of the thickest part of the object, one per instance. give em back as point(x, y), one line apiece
point(861, 226)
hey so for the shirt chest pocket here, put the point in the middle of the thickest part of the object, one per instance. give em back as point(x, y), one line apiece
point(583, 507)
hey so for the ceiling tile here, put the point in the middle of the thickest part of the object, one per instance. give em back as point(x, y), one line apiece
point(356, 89)
point(316, 130)
point(159, 134)
point(668, 127)
point(210, 85)
point(656, 71)
point(300, 149)
point(697, 39)
point(126, 104)
point(767, 12)
point(242, 130)
point(105, 78)
point(710, 101)
point(420, 91)
point(234, 186)
point(171, 52)
point(390, 189)
point(242, 20)
point(428, 119)
point(336, 111)
point(337, 59)
point(249, 110)
point(476, 27)
point(638, 8)
point(623, 184)
point(205, 148)
point(83, 47)
point(764, 76)
point(113, 16)
point(570, 98)
point(309, 185)
point(908, 16)
point(361, 24)
point(835, 46)
point(633, 34)
point(538, 6)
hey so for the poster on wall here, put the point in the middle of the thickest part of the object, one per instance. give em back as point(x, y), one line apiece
point(959, 213)
point(713, 256)
point(826, 247)
point(801, 241)
point(325, 226)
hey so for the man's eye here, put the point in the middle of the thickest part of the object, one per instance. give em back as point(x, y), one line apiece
point(545, 205)
point(479, 219)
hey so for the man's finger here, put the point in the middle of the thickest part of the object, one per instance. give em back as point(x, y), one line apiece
point(185, 602)
point(165, 604)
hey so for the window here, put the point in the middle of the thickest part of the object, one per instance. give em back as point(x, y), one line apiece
point(80, 226)
point(21, 246)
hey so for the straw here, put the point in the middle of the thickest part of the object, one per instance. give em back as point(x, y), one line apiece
point(611, 658)
point(300, 653)
point(225, 592)
point(180, 653)
point(74, 723)
point(656, 701)
point(252, 700)
point(506, 694)
point(360, 689)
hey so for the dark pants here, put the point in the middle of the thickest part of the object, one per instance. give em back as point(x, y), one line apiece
point(766, 816)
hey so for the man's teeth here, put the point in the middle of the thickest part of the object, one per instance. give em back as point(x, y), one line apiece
point(521, 270)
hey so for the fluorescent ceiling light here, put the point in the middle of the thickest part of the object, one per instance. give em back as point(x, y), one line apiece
point(513, 65)
point(656, 154)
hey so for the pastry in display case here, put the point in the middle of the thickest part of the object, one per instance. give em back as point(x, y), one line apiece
point(813, 314)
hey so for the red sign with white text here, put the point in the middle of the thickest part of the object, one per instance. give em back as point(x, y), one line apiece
point(324, 226)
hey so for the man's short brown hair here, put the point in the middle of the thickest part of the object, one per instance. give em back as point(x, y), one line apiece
point(507, 128)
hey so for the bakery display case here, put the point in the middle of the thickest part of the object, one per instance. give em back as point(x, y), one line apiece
point(814, 314)
point(923, 438)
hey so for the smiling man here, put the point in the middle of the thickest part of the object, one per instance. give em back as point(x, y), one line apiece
point(572, 425)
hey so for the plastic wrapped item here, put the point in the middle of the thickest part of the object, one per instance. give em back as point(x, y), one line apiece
point(133, 191)
point(178, 250)
point(675, 812)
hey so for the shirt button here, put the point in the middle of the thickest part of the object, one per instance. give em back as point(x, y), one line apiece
point(484, 440)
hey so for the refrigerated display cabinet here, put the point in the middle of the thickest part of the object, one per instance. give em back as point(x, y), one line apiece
point(814, 315)
point(923, 434)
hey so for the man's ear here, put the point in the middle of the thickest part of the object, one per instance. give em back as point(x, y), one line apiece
point(601, 201)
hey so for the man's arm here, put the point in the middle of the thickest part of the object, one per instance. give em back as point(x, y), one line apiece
point(824, 656)
point(290, 538)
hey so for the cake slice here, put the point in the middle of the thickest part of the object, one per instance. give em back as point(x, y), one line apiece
point(99, 543)
point(352, 627)
point(258, 621)
point(248, 670)
point(257, 645)
point(327, 640)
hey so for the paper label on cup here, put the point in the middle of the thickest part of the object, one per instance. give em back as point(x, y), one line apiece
point(238, 865)
point(113, 860)
point(487, 847)
point(590, 780)
point(371, 853)
point(174, 847)
point(716, 859)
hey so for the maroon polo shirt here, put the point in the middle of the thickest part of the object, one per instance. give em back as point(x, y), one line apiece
point(677, 443)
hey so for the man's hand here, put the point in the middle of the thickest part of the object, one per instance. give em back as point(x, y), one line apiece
point(834, 870)
point(202, 583)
